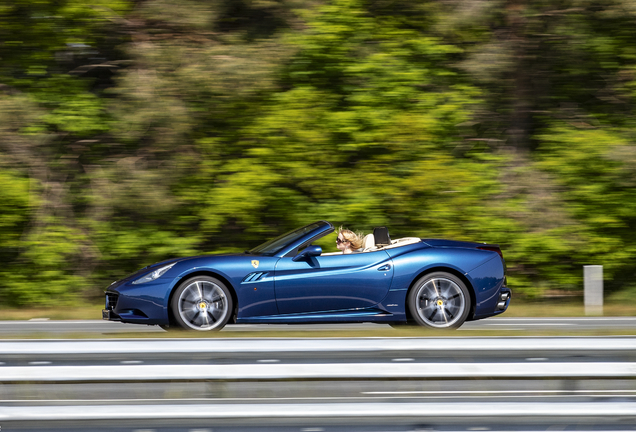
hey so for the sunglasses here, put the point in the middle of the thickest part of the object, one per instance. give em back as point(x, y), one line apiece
point(338, 241)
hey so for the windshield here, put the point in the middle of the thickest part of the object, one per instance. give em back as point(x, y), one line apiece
point(272, 246)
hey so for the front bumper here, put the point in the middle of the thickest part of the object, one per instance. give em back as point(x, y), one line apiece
point(108, 312)
point(109, 315)
point(138, 304)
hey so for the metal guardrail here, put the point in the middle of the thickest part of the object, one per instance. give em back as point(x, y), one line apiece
point(326, 411)
point(339, 345)
point(311, 350)
point(312, 368)
point(320, 371)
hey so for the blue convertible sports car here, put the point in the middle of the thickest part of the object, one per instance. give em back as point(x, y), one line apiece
point(430, 282)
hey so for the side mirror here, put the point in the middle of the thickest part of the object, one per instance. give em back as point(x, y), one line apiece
point(310, 251)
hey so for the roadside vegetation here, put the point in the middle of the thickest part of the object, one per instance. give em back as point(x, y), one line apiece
point(136, 131)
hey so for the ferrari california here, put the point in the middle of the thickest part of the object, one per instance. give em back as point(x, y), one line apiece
point(429, 282)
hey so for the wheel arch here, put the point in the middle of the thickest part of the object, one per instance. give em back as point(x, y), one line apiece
point(209, 273)
point(454, 272)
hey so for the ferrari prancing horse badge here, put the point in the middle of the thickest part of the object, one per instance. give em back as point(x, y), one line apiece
point(255, 263)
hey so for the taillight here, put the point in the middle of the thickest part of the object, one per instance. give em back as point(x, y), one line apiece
point(493, 248)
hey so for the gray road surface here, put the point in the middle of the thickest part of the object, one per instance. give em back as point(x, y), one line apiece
point(44, 326)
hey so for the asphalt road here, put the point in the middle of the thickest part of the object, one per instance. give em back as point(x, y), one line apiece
point(44, 326)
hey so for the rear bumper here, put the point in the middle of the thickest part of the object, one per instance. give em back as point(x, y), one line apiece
point(497, 305)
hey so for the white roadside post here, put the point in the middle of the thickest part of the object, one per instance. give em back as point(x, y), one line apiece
point(593, 289)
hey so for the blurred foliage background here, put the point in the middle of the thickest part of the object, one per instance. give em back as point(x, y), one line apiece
point(133, 131)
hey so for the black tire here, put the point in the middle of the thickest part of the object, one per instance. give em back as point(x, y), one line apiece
point(202, 303)
point(439, 300)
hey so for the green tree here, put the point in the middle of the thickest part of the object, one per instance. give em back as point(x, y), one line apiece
point(55, 58)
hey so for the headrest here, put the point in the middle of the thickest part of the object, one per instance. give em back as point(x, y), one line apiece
point(368, 241)
point(381, 235)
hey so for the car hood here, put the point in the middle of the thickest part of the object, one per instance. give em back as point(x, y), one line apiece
point(144, 270)
point(165, 262)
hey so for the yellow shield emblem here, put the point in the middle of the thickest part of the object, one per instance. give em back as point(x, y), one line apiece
point(255, 263)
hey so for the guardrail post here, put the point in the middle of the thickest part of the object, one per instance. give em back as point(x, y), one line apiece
point(593, 289)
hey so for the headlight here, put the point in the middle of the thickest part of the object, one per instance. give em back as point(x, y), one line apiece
point(154, 275)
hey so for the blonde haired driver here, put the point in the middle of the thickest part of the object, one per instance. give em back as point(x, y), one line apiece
point(348, 241)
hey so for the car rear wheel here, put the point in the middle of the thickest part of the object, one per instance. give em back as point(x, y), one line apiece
point(202, 303)
point(439, 300)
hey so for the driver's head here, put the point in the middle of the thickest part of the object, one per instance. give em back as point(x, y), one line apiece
point(348, 241)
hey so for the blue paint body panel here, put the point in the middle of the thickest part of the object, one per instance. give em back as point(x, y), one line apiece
point(276, 283)
point(328, 283)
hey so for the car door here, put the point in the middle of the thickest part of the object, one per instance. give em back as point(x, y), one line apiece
point(332, 282)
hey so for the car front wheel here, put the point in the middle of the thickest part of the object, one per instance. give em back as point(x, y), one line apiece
point(202, 303)
point(439, 300)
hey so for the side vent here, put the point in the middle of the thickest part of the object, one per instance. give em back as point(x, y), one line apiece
point(254, 277)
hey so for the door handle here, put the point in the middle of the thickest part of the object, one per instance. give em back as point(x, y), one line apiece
point(385, 267)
